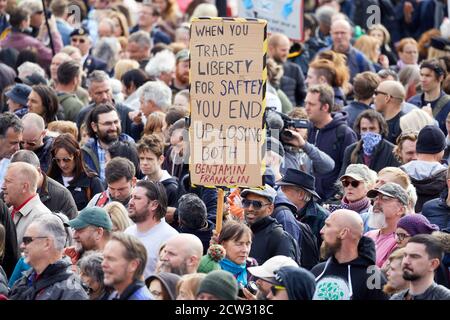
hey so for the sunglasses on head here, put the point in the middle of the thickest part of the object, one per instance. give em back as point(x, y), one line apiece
point(255, 203)
point(275, 289)
point(354, 183)
point(27, 240)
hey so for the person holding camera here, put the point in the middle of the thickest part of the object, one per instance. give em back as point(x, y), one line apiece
point(299, 153)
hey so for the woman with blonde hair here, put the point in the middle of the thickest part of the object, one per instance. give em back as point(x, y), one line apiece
point(370, 46)
point(119, 216)
point(124, 65)
point(156, 124)
point(171, 16)
point(188, 286)
point(120, 24)
point(415, 120)
point(382, 34)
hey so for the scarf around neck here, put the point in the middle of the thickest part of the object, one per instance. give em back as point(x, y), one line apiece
point(357, 206)
point(238, 270)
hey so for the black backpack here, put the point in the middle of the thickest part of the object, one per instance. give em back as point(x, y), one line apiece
point(307, 242)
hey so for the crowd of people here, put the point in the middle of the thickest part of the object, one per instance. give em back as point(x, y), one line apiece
point(96, 196)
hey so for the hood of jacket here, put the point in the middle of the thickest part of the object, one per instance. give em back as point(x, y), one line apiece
point(338, 119)
point(422, 170)
point(282, 200)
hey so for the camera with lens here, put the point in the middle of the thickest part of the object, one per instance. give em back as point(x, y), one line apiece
point(251, 286)
point(279, 121)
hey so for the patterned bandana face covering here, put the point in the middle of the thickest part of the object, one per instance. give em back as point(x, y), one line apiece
point(370, 141)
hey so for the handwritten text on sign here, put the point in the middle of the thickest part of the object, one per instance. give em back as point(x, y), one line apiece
point(227, 108)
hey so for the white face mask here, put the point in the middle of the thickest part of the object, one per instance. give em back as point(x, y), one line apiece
point(376, 220)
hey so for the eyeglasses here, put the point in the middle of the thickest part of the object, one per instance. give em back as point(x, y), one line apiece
point(255, 203)
point(27, 240)
point(65, 160)
point(401, 236)
point(275, 289)
point(354, 183)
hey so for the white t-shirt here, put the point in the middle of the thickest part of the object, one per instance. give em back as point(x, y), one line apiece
point(152, 240)
point(66, 180)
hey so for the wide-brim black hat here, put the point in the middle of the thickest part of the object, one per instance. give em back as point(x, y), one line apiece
point(297, 178)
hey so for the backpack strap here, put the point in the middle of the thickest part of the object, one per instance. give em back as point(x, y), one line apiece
point(443, 100)
point(93, 156)
point(102, 199)
point(340, 136)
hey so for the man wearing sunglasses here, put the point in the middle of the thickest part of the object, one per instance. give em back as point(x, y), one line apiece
point(388, 99)
point(390, 204)
point(50, 276)
point(269, 238)
point(80, 39)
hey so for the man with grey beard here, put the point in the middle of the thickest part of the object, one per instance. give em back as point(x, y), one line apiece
point(349, 273)
point(147, 209)
point(390, 204)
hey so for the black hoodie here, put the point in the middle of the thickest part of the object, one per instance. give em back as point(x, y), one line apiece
point(359, 279)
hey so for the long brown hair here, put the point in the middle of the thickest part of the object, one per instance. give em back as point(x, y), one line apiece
point(67, 142)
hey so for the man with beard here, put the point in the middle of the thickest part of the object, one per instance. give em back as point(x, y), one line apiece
point(104, 128)
point(120, 178)
point(292, 82)
point(124, 259)
point(349, 273)
point(147, 208)
point(390, 204)
point(100, 92)
point(181, 254)
point(423, 255)
point(181, 80)
point(91, 231)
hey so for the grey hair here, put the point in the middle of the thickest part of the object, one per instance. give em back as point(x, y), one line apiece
point(107, 49)
point(28, 68)
point(158, 92)
point(26, 156)
point(51, 225)
point(33, 120)
point(91, 265)
point(97, 76)
point(142, 38)
point(324, 14)
point(163, 61)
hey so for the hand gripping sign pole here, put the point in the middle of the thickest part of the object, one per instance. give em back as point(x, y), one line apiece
point(219, 214)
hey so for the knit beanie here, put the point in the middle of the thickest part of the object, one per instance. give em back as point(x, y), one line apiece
point(210, 261)
point(416, 224)
point(221, 284)
point(431, 140)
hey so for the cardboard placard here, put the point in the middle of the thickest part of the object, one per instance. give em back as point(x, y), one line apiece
point(227, 99)
point(283, 16)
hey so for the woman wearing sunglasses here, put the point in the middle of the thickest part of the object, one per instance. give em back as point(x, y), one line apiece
point(68, 169)
point(236, 238)
point(357, 180)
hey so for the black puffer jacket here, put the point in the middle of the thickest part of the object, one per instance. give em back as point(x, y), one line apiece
point(359, 279)
point(293, 83)
point(269, 239)
point(57, 282)
point(57, 198)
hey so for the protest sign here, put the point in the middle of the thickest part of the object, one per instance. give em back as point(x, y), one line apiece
point(283, 16)
point(227, 101)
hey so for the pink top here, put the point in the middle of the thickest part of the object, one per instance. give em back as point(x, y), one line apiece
point(384, 245)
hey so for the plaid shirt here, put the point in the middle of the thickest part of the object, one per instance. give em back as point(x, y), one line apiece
point(101, 160)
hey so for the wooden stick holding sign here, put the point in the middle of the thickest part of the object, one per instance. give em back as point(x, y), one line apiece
point(219, 214)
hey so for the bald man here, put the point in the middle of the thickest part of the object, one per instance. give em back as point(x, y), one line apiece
point(341, 34)
point(20, 193)
point(292, 82)
point(388, 99)
point(35, 139)
point(181, 254)
point(350, 272)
